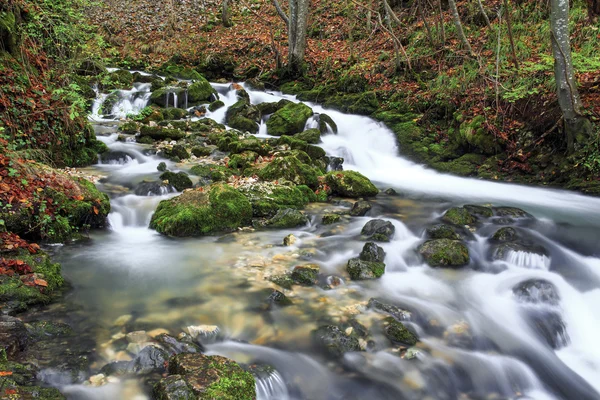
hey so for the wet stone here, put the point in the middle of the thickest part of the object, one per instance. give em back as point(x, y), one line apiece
point(372, 252)
point(306, 275)
point(360, 208)
point(176, 346)
point(390, 309)
point(173, 387)
point(150, 359)
point(334, 341)
point(283, 280)
point(379, 230)
point(276, 299)
point(329, 219)
point(396, 332)
point(442, 231)
point(536, 291)
point(444, 253)
point(289, 240)
point(363, 270)
point(13, 336)
point(506, 234)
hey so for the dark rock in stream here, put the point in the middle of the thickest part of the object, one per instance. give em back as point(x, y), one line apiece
point(444, 253)
point(378, 230)
point(361, 270)
point(537, 291)
point(13, 336)
point(549, 325)
point(334, 341)
point(150, 359)
point(287, 218)
point(506, 234)
point(392, 310)
point(396, 332)
point(360, 208)
point(335, 163)
point(372, 252)
point(442, 231)
point(173, 387)
point(306, 275)
point(156, 188)
point(176, 346)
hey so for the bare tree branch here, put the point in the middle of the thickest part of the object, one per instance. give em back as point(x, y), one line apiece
point(281, 13)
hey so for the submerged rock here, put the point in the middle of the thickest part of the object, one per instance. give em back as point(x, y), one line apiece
point(276, 299)
point(334, 341)
point(360, 270)
point(378, 230)
point(149, 359)
point(537, 291)
point(392, 310)
point(283, 280)
point(512, 212)
point(209, 377)
point(444, 253)
point(195, 212)
point(176, 346)
point(306, 275)
point(350, 184)
point(360, 208)
point(396, 332)
point(506, 234)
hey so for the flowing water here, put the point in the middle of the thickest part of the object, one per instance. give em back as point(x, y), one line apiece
point(480, 338)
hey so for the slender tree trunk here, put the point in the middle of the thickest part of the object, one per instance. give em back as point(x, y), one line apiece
point(298, 23)
point(510, 35)
point(225, 15)
point(459, 28)
point(281, 12)
point(593, 10)
point(421, 14)
point(485, 16)
point(566, 85)
point(442, 28)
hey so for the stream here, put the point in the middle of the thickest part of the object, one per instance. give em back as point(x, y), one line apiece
point(512, 348)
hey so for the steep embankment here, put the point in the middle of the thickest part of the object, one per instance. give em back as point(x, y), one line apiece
point(473, 115)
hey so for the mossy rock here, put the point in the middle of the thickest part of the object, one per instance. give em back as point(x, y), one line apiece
point(215, 173)
point(283, 280)
point(306, 275)
point(444, 253)
point(287, 218)
point(329, 219)
point(119, 79)
point(109, 103)
point(173, 387)
point(506, 234)
point(267, 198)
point(91, 67)
point(243, 116)
point(200, 91)
point(174, 113)
point(325, 122)
point(200, 151)
point(396, 332)
point(188, 74)
point(289, 119)
point(312, 136)
point(334, 341)
point(458, 216)
point(361, 270)
point(161, 133)
point(372, 252)
point(213, 377)
point(479, 211)
point(250, 143)
point(442, 231)
point(243, 160)
point(180, 180)
point(362, 103)
point(466, 165)
point(378, 230)
point(350, 184)
point(215, 105)
point(219, 208)
point(270, 108)
point(294, 143)
point(291, 169)
point(14, 294)
point(129, 128)
point(473, 135)
point(177, 152)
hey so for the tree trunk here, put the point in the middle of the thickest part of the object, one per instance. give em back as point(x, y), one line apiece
point(442, 28)
point(459, 28)
point(566, 86)
point(281, 13)
point(593, 10)
point(226, 15)
point(298, 22)
point(427, 28)
point(485, 16)
point(510, 35)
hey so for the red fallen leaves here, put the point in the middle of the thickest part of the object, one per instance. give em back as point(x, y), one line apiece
point(9, 242)
point(12, 242)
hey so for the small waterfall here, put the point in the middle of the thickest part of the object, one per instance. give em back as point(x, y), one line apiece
point(271, 387)
point(312, 123)
point(175, 102)
point(526, 259)
point(121, 102)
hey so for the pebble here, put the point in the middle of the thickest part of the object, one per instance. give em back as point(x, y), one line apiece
point(289, 240)
point(98, 380)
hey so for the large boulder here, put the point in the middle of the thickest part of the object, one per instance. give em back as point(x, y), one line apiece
point(268, 197)
point(243, 116)
point(180, 180)
point(458, 216)
point(287, 218)
point(289, 119)
point(165, 96)
point(291, 168)
point(306, 275)
point(361, 270)
point(350, 184)
point(207, 377)
point(201, 212)
point(372, 252)
point(444, 253)
point(200, 91)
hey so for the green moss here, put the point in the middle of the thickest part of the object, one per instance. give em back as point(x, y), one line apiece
point(283, 280)
point(129, 127)
point(306, 275)
point(458, 216)
point(215, 105)
point(329, 219)
point(307, 193)
point(242, 160)
point(174, 113)
point(180, 180)
point(161, 96)
point(195, 213)
point(442, 231)
point(294, 143)
point(444, 253)
point(215, 173)
point(177, 152)
point(289, 119)
point(161, 133)
point(312, 136)
point(324, 121)
point(287, 218)
point(270, 108)
point(360, 270)
point(398, 333)
point(363, 103)
point(200, 91)
point(292, 169)
point(267, 198)
point(473, 135)
point(200, 151)
point(505, 234)
point(119, 79)
point(350, 184)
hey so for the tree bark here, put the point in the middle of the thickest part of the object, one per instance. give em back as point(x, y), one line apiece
point(459, 28)
point(566, 85)
point(298, 23)
point(442, 28)
point(225, 15)
point(510, 35)
point(281, 13)
point(593, 10)
point(485, 16)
